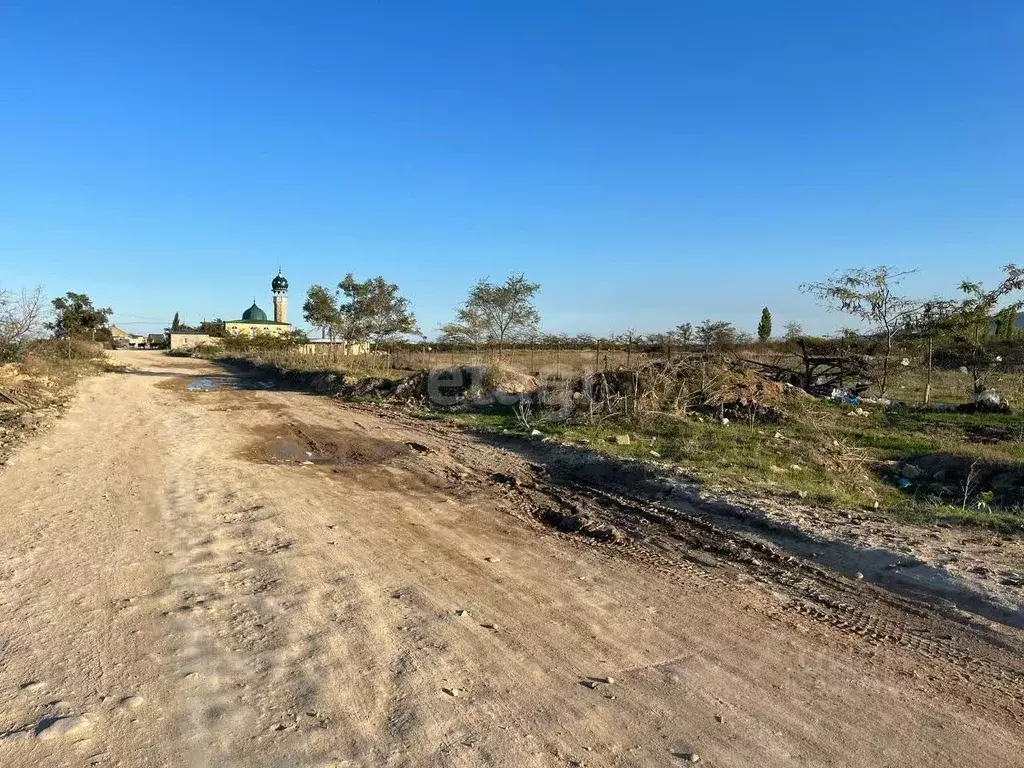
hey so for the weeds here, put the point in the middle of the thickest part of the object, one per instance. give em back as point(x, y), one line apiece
point(971, 483)
point(816, 453)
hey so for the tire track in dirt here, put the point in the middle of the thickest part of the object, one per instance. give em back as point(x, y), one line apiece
point(659, 536)
point(823, 596)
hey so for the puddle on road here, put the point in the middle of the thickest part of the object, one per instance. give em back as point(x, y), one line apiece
point(202, 385)
point(216, 384)
point(305, 445)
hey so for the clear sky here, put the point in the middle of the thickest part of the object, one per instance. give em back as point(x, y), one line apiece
point(649, 163)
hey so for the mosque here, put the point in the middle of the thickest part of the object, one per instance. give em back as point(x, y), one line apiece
point(254, 320)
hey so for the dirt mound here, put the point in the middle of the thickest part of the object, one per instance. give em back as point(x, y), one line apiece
point(579, 523)
point(22, 386)
point(371, 386)
point(477, 385)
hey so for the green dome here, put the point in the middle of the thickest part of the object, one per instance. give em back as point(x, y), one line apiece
point(279, 283)
point(254, 314)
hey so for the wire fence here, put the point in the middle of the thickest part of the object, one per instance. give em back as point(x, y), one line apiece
point(532, 360)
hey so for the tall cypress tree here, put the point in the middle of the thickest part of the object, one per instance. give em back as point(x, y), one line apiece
point(764, 328)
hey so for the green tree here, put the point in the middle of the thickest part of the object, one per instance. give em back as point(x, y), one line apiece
point(870, 295)
point(505, 311)
point(321, 311)
point(764, 328)
point(375, 311)
point(176, 323)
point(1006, 323)
point(716, 335)
point(213, 327)
point(684, 333)
point(970, 321)
point(469, 327)
point(75, 318)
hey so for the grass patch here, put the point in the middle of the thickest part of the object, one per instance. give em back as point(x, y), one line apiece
point(818, 453)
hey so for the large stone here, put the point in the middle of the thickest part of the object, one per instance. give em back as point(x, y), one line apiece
point(17, 736)
point(133, 702)
point(54, 727)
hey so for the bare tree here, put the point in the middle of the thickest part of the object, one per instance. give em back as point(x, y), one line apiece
point(629, 339)
point(870, 295)
point(21, 318)
point(792, 331)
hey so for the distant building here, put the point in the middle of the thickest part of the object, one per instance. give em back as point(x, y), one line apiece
point(254, 320)
point(156, 340)
point(191, 340)
point(120, 338)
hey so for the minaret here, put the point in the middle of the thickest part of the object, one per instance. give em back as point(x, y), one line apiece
point(279, 287)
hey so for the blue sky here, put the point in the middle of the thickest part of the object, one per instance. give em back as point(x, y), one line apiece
point(649, 163)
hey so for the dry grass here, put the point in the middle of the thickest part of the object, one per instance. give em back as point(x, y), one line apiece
point(907, 383)
point(552, 363)
point(817, 453)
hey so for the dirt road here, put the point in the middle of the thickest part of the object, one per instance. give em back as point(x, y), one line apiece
point(231, 576)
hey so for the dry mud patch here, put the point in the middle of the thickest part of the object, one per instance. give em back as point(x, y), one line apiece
point(308, 444)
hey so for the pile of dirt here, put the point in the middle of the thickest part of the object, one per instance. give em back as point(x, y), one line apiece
point(455, 387)
point(749, 397)
point(327, 382)
point(370, 386)
point(22, 390)
point(460, 386)
point(581, 524)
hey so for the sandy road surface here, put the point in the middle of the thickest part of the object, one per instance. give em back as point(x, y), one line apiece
point(267, 578)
